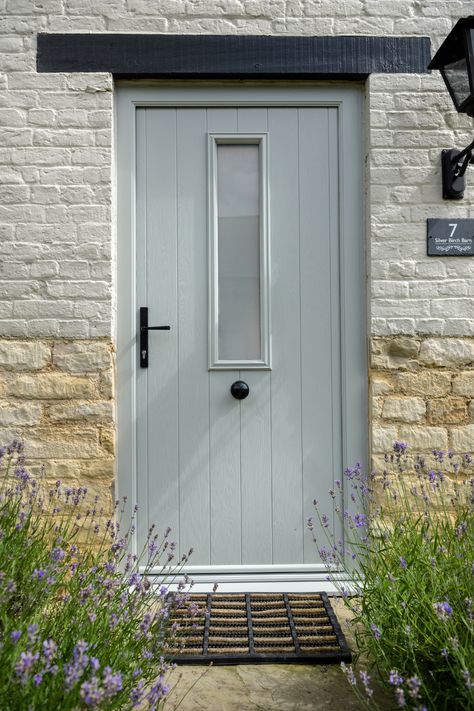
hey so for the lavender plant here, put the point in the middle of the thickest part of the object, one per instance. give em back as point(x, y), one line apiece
point(410, 550)
point(80, 628)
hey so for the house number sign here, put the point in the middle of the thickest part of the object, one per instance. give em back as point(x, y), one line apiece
point(450, 237)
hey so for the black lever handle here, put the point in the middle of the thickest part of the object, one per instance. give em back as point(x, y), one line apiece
point(143, 340)
point(155, 328)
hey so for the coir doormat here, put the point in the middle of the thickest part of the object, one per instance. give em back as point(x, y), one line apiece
point(244, 628)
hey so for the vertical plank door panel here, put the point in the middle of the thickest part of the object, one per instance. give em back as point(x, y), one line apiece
point(225, 487)
point(286, 373)
point(161, 216)
point(320, 318)
point(141, 400)
point(193, 323)
point(256, 427)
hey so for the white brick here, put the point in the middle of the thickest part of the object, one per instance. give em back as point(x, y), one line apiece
point(78, 289)
point(57, 159)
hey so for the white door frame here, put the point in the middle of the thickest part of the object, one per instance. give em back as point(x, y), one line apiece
point(348, 98)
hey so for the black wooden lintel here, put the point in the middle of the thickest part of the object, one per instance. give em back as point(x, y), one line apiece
point(232, 56)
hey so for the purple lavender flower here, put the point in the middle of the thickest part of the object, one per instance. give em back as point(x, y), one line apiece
point(400, 697)
point(135, 579)
point(376, 631)
point(91, 692)
point(403, 563)
point(443, 609)
point(365, 679)
point(349, 674)
point(360, 520)
point(57, 554)
point(32, 633)
point(112, 682)
point(395, 679)
point(49, 649)
point(414, 686)
point(24, 665)
point(37, 679)
point(399, 447)
point(158, 691)
point(352, 472)
point(324, 521)
point(15, 636)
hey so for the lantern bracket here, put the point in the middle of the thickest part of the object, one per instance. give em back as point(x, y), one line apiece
point(453, 166)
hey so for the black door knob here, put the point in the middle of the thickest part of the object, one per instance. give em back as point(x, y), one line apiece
point(239, 390)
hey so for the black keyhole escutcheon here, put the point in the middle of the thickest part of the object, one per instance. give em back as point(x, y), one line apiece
point(239, 390)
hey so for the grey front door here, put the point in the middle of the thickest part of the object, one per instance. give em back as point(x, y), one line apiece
point(239, 236)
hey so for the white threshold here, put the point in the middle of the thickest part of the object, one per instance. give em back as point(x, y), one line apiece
point(261, 579)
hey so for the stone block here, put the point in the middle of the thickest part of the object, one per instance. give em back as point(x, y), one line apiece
point(447, 352)
point(462, 438)
point(383, 438)
point(106, 384)
point(107, 439)
point(97, 469)
point(447, 411)
point(99, 411)
point(384, 355)
point(463, 384)
point(24, 355)
point(81, 357)
point(48, 386)
point(404, 409)
point(424, 438)
point(63, 443)
point(19, 414)
point(403, 347)
point(426, 383)
point(380, 386)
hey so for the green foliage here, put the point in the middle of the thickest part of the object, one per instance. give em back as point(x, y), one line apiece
point(412, 594)
point(79, 626)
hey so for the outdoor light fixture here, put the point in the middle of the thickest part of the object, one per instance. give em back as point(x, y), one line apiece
point(455, 60)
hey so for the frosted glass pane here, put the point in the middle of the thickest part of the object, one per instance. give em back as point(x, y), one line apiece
point(238, 211)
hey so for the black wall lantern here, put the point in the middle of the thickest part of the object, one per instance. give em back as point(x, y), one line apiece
point(455, 60)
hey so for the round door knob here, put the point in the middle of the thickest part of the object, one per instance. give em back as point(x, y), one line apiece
point(239, 390)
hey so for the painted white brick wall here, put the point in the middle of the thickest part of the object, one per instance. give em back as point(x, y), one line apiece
point(56, 153)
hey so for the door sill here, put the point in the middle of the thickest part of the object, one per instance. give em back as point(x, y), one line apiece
point(264, 583)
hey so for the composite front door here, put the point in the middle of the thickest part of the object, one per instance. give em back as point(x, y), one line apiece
point(240, 229)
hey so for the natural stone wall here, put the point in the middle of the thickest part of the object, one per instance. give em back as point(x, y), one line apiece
point(422, 391)
point(57, 396)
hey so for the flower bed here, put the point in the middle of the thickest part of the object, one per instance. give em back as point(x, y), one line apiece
point(409, 544)
point(79, 626)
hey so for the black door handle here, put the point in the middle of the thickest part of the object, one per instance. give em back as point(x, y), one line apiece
point(143, 340)
point(239, 390)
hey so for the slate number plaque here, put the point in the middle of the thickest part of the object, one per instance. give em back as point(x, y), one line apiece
point(450, 237)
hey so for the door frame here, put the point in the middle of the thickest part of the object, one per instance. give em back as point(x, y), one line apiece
point(348, 99)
